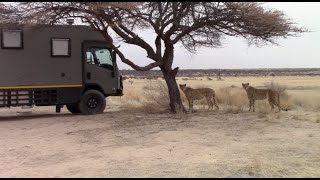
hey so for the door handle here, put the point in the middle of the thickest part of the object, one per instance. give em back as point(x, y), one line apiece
point(88, 75)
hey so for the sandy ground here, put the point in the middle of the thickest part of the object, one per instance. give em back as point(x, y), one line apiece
point(118, 143)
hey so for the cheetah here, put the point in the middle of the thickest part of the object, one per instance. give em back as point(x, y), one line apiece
point(261, 94)
point(197, 94)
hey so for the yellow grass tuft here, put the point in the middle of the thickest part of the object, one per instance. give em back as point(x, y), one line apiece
point(152, 98)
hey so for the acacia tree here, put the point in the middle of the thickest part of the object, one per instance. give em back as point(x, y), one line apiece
point(193, 24)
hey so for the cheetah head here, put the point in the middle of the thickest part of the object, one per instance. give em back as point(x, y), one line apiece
point(245, 85)
point(182, 86)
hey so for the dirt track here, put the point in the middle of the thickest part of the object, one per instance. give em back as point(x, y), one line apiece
point(123, 144)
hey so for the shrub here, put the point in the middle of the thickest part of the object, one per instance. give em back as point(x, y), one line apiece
point(281, 89)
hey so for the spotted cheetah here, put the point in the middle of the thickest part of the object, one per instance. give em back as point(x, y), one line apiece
point(261, 94)
point(197, 94)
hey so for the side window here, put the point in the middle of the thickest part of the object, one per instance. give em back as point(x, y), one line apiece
point(11, 39)
point(90, 58)
point(60, 47)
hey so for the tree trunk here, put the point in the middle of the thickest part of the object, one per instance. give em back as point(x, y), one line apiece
point(174, 94)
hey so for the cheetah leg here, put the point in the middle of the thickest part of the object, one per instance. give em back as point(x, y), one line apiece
point(279, 107)
point(277, 103)
point(210, 104)
point(253, 107)
point(191, 105)
point(271, 104)
point(215, 103)
point(251, 104)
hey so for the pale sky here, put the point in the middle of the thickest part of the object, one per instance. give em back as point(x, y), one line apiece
point(295, 52)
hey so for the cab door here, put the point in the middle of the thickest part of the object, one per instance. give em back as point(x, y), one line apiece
point(100, 68)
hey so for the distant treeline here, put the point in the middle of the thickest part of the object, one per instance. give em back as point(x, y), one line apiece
point(228, 72)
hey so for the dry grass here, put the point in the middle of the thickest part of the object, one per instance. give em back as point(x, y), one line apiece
point(306, 99)
point(228, 143)
point(298, 94)
point(233, 100)
point(155, 97)
point(124, 144)
point(318, 118)
point(152, 99)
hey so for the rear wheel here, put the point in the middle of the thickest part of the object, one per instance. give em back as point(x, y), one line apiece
point(73, 108)
point(92, 102)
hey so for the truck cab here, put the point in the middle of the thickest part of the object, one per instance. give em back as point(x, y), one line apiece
point(58, 65)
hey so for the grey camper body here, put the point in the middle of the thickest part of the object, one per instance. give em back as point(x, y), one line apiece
point(57, 65)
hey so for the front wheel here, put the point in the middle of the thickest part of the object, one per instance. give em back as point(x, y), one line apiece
point(92, 102)
point(73, 108)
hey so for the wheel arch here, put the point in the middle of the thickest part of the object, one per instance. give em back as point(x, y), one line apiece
point(95, 87)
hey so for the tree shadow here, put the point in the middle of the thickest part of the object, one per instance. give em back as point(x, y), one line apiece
point(21, 116)
point(25, 116)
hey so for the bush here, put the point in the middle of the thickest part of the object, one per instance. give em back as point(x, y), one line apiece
point(281, 89)
point(155, 98)
point(233, 99)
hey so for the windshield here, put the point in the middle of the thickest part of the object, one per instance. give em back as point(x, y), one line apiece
point(99, 56)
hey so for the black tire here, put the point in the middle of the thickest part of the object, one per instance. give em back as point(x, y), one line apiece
point(92, 102)
point(74, 108)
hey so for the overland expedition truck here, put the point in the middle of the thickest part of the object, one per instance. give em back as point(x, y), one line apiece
point(57, 65)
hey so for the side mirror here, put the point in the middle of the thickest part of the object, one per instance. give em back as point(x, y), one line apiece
point(114, 59)
point(114, 56)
